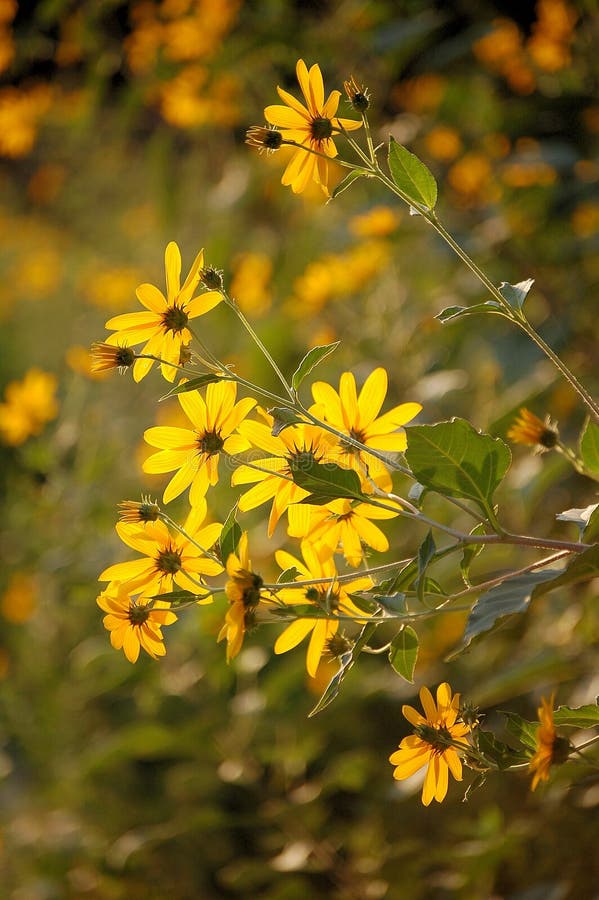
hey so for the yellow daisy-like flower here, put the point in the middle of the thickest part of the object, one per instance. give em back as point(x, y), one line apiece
point(195, 454)
point(312, 126)
point(167, 560)
point(357, 415)
point(530, 430)
point(330, 597)
point(294, 448)
point(433, 743)
point(551, 749)
point(162, 329)
point(134, 623)
point(243, 593)
point(343, 525)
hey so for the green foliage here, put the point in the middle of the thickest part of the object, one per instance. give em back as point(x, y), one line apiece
point(455, 459)
point(312, 359)
point(403, 653)
point(589, 447)
point(411, 176)
point(516, 294)
point(327, 481)
point(230, 536)
point(192, 385)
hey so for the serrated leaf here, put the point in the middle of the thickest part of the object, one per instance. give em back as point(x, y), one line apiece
point(288, 575)
point(579, 717)
point(345, 183)
point(411, 176)
point(589, 448)
point(327, 480)
point(403, 653)
point(458, 312)
point(580, 517)
point(193, 385)
point(312, 358)
point(283, 417)
point(515, 294)
point(229, 536)
point(346, 661)
point(458, 461)
point(523, 730)
point(471, 551)
point(506, 599)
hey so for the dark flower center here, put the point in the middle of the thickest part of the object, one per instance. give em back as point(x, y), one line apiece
point(174, 318)
point(439, 739)
point(251, 591)
point(210, 442)
point(321, 129)
point(168, 561)
point(138, 614)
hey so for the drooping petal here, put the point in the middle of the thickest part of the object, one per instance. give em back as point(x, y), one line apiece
point(180, 480)
point(429, 788)
point(322, 631)
point(293, 635)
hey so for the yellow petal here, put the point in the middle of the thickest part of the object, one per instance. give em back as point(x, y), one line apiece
point(293, 635)
point(372, 396)
point(167, 437)
point(150, 297)
point(429, 787)
point(172, 265)
point(349, 400)
point(296, 117)
point(203, 304)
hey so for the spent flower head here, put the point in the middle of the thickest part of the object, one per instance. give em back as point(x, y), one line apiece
point(550, 748)
point(264, 137)
point(106, 356)
point(357, 94)
point(530, 430)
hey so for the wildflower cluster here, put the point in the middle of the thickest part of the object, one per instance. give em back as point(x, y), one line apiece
point(328, 461)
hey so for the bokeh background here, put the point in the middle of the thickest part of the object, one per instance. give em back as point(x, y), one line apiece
point(121, 128)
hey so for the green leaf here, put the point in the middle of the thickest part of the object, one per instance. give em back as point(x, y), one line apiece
point(501, 754)
point(193, 385)
point(458, 461)
point(506, 599)
point(403, 653)
point(312, 358)
point(283, 418)
point(229, 536)
point(326, 481)
point(288, 575)
point(515, 294)
point(176, 597)
point(471, 551)
point(411, 176)
point(346, 662)
point(394, 603)
point(458, 312)
point(579, 717)
point(523, 730)
point(426, 552)
point(345, 183)
point(591, 532)
point(589, 448)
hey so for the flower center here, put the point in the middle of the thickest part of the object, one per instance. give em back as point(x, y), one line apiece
point(210, 442)
point(138, 614)
point(168, 561)
point(321, 129)
point(174, 318)
point(251, 590)
point(438, 738)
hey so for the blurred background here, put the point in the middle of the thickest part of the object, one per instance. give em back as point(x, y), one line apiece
point(122, 127)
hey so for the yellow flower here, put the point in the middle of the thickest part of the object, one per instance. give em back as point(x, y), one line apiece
point(163, 327)
point(551, 749)
point(433, 743)
point(312, 126)
point(167, 560)
point(356, 415)
point(342, 524)
point(195, 454)
point(530, 430)
point(28, 405)
point(243, 593)
point(134, 623)
point(330, 597)
point(293, 448)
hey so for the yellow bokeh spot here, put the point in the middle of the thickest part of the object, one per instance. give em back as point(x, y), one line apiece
point(19, 600)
